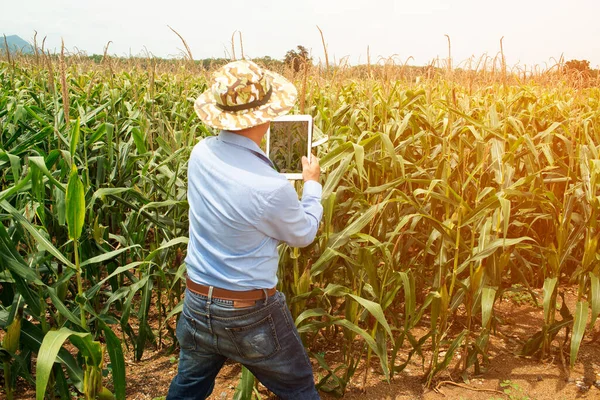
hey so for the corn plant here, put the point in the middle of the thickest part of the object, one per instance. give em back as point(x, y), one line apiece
point(442, 190)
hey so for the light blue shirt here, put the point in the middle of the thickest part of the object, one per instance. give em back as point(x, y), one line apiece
point(240, 208)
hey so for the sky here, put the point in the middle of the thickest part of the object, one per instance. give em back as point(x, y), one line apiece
point(536, 33)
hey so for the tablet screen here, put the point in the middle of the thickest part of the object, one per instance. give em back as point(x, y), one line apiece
point(288, 143)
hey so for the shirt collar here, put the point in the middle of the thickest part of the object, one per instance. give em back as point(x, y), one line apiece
point(244, 142)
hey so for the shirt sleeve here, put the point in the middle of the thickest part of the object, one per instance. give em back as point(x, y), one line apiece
point(287, 219)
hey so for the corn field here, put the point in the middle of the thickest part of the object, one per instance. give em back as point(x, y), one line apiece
point(440, 194)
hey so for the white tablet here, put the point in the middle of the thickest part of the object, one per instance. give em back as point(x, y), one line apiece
point(288, 139)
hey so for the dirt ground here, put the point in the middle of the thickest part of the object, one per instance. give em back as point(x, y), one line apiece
point(507, 376)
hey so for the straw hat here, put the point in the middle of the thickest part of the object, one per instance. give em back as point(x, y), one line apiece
point(244, 95)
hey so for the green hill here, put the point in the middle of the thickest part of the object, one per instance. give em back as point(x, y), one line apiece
point(16, 44)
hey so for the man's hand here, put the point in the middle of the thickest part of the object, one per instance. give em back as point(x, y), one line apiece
point(311, 171)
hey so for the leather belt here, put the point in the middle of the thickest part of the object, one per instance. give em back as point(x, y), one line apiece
point(244, 298)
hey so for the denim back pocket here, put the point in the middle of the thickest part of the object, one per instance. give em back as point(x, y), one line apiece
point(255, 341)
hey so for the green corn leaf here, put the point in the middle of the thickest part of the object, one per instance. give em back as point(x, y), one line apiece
point(590, 251)
point(93, 290)
point(23, 185)
point(164, 145)
point(505, 207)
point(120, 293)
point(109, 129)
point(15, 164)
point(117, 361)
point(245, 386)
point(32, 337)
point(75, 133)
point(61, 206)
point(23, 288)
point(389, 148)
point(311, 313)
point(409, 296)
point(356, 226)
point(75, 205)
point(595, 297)
point(103, 192)
point(49, 350)
point(107, 256)
point(52, 157)
point(482, 210)
point(170, 243)
point(336, 155)
point(144, 330)
point(456, 343)
point(548, 131)
point(176, 310)
point(336, 290)
point(497, 155)
point(328, 210)
point(334, 177)
point(131, 291)
point(323, 261)
point(488, 294)
point(88, 116)
point(375, 310)
point(139, 140)
point(303, 284)
point(19, 267)
point(96, 135)
point(166, 203)
point(41, 240)
point(62, 309)
point(385, 187)
point(549, 285)
point(370, 342)
point(37, 185)
point(319, 313)
point(436, 305)
point(179, 275)
point(359, 158)
point(39, 163)
point(15, 311)
point(490, 249)
point(31, 111)
point(579, 323)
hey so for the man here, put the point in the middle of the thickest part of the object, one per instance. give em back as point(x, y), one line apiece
point(240, 209)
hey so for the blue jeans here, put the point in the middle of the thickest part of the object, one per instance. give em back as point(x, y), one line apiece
point(262, 337)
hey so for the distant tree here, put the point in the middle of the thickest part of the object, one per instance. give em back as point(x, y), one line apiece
point(582, 66)
point(97, 58)
point(213, 63)
point(268, 62)
point(297, 58)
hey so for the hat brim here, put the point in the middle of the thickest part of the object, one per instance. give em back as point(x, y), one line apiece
point(282, 100)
